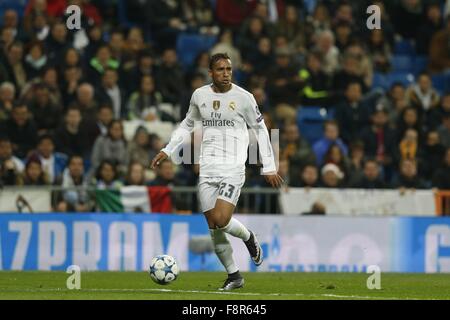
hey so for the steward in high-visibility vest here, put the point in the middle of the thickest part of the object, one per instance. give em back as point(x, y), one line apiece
point(316, 90)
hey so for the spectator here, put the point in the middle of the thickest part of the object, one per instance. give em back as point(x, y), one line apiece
point(331, 176)
point(135, 174)
point(293, 29)
point(335, 156)
point(85, 101)
point(72, 177)
point(11, 21)
point(309, 177)
point(352, 114)
point(378, 138)
point(283, 83)
point(357, 157)
point(111, 147)
point(169, 78)
point(444, 131)
point(295, 148)
point(225, 43)
point(344, 36)
point(45, 113)
point(199, 16)
point(52, 163)
point(331, 136)
point(428, 28)
point(441, 178)
point(57, 42)
point(422, 95)
point(409, 119)
point(347, 75)
point(144, 103)
point(371, 178)
point(107, 176)
point(133, 74)
point(439, 49)
point(50, 79)
point(408, 177)
point(320, 19)
point(407, 16)
point(409, 147)
point(394, 102)
point(101, 62)
point(316, 89)
point(11, 167)
point(72, 78)
point(139, 147)
point(71, 138)
point(379, 51)
point(110, 93)
point(21, 130)
point(330, 53)
point(12, 68)
point(33, 174)
point(317, 208)
point(433, 154)
point(98, 126)
point(7, 94)
point(166, 21)
point(35, 60)
point(165, 174)
point(436, 115)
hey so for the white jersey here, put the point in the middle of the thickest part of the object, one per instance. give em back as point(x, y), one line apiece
point(224, 118)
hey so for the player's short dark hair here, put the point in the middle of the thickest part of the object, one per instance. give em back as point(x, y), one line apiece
point(216, 57)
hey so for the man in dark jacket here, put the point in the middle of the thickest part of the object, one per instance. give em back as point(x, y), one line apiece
point(441, 178)
point(21, 130)
point(371, 176)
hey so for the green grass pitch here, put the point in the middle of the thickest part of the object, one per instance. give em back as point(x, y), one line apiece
point(203, 285)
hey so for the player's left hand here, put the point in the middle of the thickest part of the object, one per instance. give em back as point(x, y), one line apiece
point(275, 180)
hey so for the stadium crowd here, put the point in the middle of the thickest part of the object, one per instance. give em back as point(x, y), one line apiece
point(65, 94)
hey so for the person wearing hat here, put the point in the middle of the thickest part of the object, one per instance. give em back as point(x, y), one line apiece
point(331, 176)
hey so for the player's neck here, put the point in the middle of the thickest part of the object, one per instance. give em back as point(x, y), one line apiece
point(221, 89)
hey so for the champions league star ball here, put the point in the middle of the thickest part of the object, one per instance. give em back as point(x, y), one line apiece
point(163, 269)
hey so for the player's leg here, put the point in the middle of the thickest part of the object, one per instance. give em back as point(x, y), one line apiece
point(208, 192)
point(222, 216)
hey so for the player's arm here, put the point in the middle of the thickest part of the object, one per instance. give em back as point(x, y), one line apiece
point(180, 135)
point(255, 120)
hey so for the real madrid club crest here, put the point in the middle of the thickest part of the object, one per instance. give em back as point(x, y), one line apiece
point(216, 105)
point(232, 105)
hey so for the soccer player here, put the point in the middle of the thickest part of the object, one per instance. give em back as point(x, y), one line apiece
point(225, 110)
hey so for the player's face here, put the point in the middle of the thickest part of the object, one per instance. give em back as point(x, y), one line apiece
point(221, 73)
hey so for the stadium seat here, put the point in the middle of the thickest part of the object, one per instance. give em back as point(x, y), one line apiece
point(420, 64)
point(379, 80)
point(17, 5)
point(190, 45)
point(310, 121)
point(310, 5)
point(406, 78)
point(404, 47)
point(122, 14)
point(439, 82)
point(402, 63)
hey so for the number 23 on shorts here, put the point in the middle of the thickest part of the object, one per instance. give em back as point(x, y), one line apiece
point(230, 191)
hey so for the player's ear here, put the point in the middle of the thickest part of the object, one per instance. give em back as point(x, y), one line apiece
point(210, 72)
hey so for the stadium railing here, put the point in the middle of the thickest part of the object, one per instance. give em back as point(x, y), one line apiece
point(184, 199)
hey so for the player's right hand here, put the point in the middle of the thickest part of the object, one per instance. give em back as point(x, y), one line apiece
point(161, 156)
point(275, 180)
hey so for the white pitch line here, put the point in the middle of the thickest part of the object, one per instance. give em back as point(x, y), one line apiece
point(319, 295)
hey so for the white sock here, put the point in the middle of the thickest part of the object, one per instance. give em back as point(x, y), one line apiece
point(223, 250)
point(237, 229)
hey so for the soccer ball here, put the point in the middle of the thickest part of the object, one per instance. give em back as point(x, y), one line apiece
point(163, 269)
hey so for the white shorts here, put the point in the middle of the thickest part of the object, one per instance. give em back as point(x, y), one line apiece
point(212, 188)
